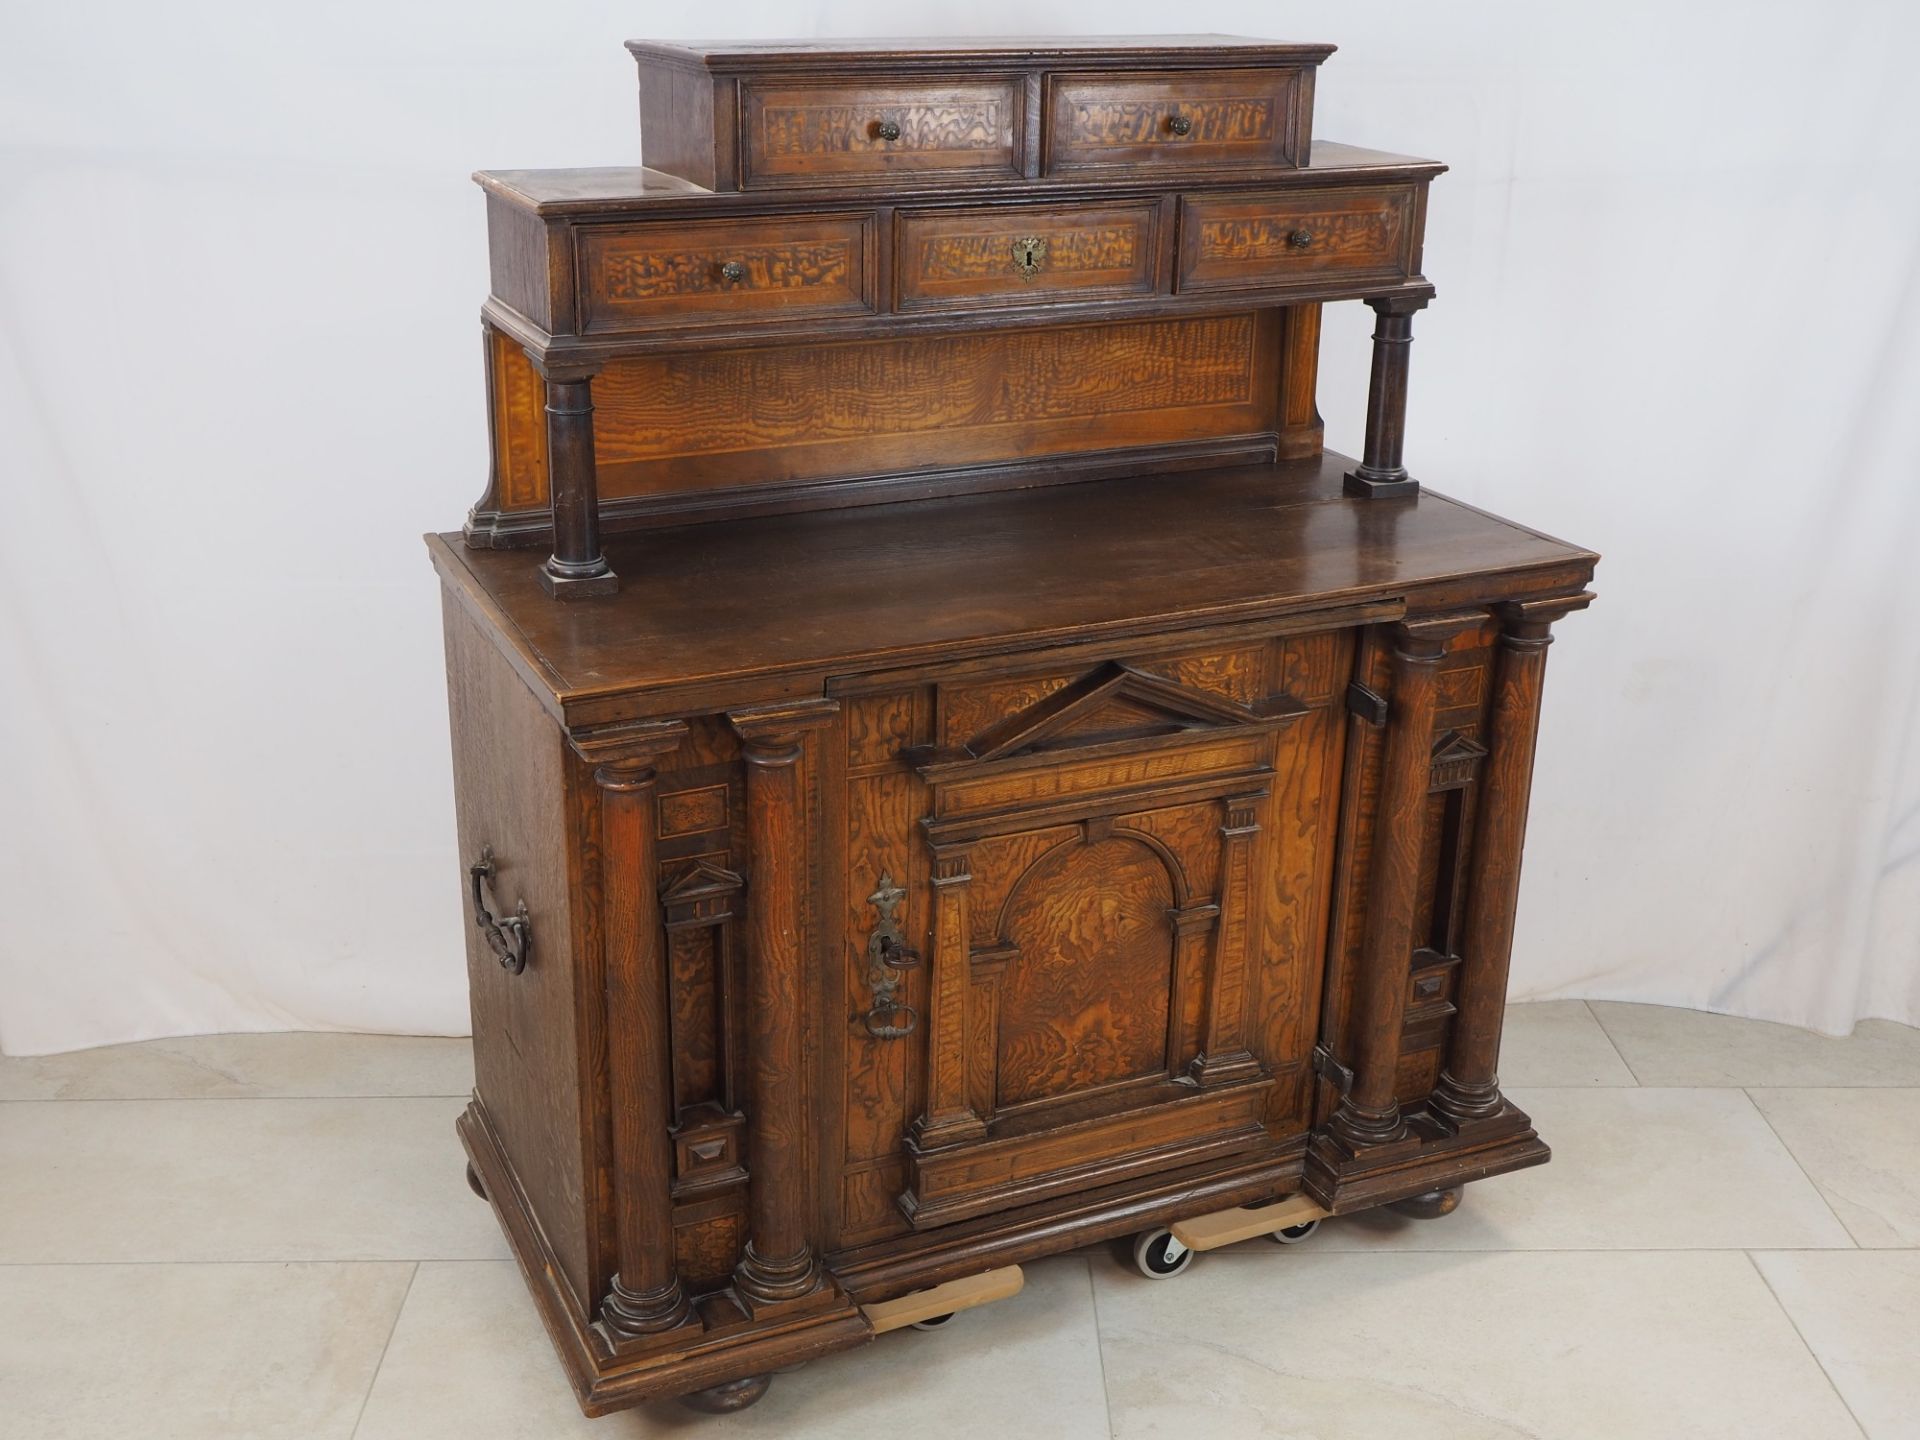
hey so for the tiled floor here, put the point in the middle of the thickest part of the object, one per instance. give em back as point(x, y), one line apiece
point(270, 1236)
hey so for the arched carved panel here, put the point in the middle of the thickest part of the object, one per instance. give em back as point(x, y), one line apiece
point(1084, 1001)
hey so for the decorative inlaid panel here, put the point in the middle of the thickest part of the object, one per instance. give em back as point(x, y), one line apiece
point(1299, 237)
point(693, 812)
point(798, 133)
point(1223, 119)
point(1199, 760)
point(1022, 255)
point(519, 425)
point(705, 420)
point(1238, 675)
point(1084, 1002)
point(633, 276)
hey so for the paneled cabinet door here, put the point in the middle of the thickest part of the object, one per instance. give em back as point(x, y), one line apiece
point(1093, 900)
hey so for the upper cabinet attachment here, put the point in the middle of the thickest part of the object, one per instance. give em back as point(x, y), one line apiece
point(745, 117)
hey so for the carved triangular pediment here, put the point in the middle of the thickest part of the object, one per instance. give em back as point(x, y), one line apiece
point(1112, 702)
point(1456, 758)
point(703, 885)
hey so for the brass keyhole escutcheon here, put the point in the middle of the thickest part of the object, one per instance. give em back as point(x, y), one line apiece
point(1029, 255)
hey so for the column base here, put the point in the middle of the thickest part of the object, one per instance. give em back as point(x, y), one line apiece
point(762, 1283)
point(1457, 1104)
point(634, 1315)
point(1371, 484)
point(577, 580)
point(1344, 1178)
point(1360, 1130)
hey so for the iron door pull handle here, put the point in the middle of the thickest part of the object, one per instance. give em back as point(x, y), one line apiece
point(509, 937)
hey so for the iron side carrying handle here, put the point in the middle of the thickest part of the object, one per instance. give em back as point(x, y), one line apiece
point(510, 937)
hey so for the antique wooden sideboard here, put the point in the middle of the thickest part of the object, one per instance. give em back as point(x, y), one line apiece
point(1000, 784)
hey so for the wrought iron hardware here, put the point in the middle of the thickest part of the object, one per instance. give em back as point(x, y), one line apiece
point(510, 937)
point(888, 956)
point(887, 129)
point(1330, 1069)
point(1179, 124)
point(1029, 255)
point(733, 272)
point(1299, 239)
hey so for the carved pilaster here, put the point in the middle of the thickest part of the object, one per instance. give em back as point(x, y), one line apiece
point(1368, 1114)
point(1469, 1088)
point(1301, 430)
point(646, 1296)
point(576, 569)
point(1380, 471)
point(1224, 1055)
point(780, 1263)
point(950, 1115)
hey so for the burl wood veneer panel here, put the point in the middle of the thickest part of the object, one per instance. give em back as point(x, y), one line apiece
point(709, 420)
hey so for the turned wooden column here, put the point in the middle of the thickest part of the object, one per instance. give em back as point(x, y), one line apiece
point(646, 1296)
point(1380, 471)
point(1469, 1087)
point(1368, 1113)
point(779, 1262)
point(576, 569)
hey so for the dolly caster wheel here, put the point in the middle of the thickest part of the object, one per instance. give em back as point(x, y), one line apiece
point(1159, 1256)
point(1430, 1206)
point(473, 1181)
point(725, 1399)
point(936, 1322)
point(1294, 1234)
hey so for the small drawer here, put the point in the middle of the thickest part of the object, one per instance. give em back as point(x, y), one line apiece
point(1200, 120)
point(715, 271)
point(1300, 238)
point(798, 134)
point(1015, 256)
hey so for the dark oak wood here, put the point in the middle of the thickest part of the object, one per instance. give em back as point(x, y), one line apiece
point(1022, 789)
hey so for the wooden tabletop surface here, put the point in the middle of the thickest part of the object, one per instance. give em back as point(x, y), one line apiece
point(778, 605)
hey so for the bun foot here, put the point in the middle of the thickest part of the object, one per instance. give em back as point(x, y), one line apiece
point(1430, 1206)
point(473, 1181)
point(724, 1399)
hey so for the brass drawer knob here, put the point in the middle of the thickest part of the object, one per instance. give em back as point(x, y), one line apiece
point(887, 129)
point(1179, 124)
point(1299, 239)
point(733, 272)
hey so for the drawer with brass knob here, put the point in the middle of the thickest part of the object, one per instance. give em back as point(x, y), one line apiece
point(797, 134)
point(1022, 254)
point(637, 277)
point(1213, 120)
point(1270, 241)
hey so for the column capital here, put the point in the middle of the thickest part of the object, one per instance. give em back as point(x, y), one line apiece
point(780, 726)
point(558, 370)
point(626, 755)
point(1399, 303)
point(1526, 620)
point(1425, 637)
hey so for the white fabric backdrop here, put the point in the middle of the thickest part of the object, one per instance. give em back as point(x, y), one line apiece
point(240, 268)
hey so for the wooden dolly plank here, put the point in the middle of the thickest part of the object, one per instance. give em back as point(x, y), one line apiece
point(1225, 1227)
point(947, 1299)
